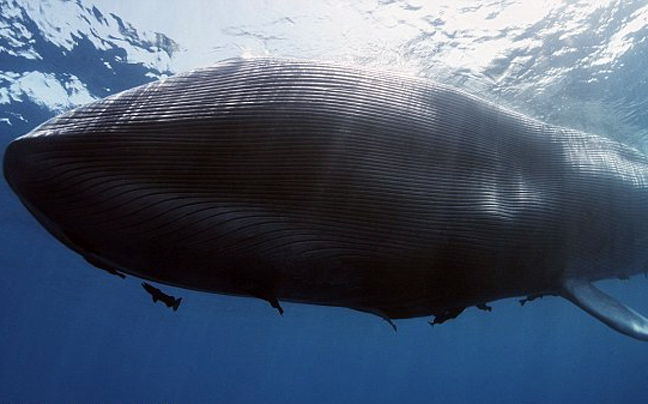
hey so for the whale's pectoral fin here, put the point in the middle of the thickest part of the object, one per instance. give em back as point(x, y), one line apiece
point(605, 308)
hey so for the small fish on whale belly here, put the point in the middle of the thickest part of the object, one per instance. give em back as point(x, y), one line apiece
point(334, 185)
point(157, 294)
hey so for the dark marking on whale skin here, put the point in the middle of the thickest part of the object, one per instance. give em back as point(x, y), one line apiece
point(334, 185)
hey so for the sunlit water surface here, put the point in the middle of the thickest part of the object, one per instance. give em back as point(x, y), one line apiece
point(71, 333)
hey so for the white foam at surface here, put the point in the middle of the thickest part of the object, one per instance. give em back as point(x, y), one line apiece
point(45, 89)
point(4, 96)
point(64, 23)
point(19, 38)
point(623, 40)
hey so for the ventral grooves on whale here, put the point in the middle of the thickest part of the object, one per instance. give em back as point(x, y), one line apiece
point(334, 185)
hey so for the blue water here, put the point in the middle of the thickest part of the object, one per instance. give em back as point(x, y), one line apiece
point(72, 333)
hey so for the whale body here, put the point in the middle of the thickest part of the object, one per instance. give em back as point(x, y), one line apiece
point(334, 185)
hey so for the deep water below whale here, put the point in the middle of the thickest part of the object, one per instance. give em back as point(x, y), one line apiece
point(72, 333)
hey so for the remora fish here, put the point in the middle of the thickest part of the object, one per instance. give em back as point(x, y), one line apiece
point(157, 294)
point(331, 185)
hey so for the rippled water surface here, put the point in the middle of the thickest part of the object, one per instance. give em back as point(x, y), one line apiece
point(577, 63)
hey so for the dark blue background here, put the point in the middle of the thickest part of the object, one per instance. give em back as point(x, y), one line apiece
point(72, 333)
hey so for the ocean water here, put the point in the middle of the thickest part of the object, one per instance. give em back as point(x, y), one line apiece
point(72, 333)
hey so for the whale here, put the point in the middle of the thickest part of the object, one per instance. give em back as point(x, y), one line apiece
point(335, 185)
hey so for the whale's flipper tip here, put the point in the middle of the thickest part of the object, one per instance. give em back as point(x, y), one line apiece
point(605, 308)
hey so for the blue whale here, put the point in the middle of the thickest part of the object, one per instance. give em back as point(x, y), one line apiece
point(332, 185)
